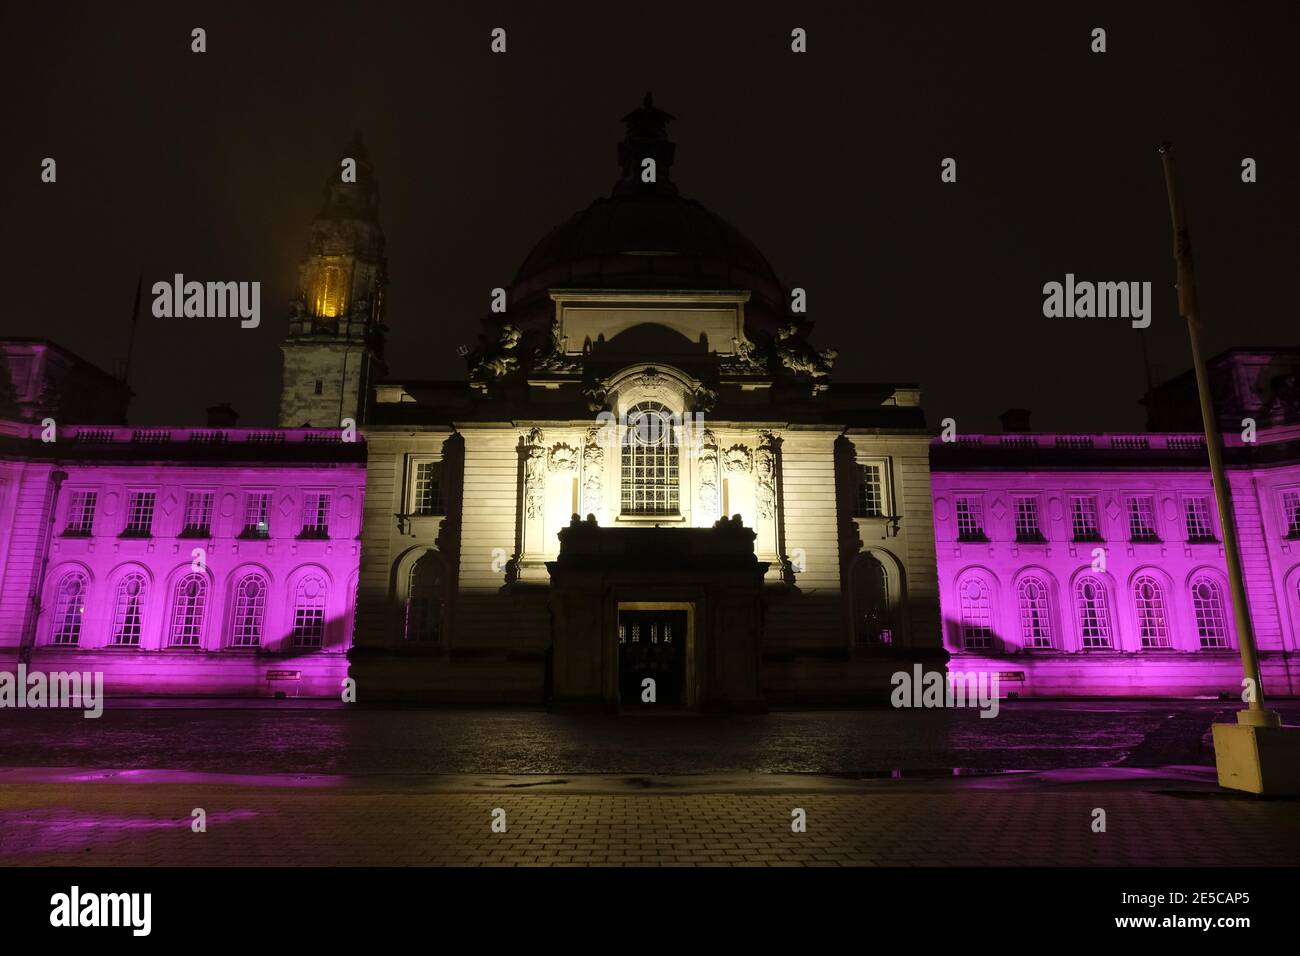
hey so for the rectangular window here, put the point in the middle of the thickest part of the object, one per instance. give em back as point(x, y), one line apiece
point(970, 519)
point(1291, 513)
point(426, 492)
point(308, 626)
point(1199, 527)
point(1142, 519)
point(1083, 518)
point(316, 514)
point(871, 491)
point(139, 515)
point(1027, 519)
point(81, 513)
point(257, 515)
point(198, 514)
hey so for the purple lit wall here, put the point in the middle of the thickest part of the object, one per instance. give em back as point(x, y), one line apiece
point(197, 561)
point(1092, 565)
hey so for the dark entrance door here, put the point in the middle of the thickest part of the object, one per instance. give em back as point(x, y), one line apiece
point(651, 644)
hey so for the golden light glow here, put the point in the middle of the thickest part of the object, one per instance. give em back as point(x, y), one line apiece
point(331, 289)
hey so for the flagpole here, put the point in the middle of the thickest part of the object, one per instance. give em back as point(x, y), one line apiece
point(1255, 714)
point(130, 342)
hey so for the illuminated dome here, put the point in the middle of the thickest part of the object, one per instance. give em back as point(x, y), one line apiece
point(646, 235)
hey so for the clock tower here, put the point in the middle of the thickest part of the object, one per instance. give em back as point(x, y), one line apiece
point(334, 350)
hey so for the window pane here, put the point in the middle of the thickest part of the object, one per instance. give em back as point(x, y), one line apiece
point(139, 514)
point(250, 608)
point(427, 496)
point(1083, 519)
point(1027, 519)
point(1207, 602)
point(1198, 520)
point(1094, 620)
point(128, 610)
point(870, 501)
point(309, 612)
point(1142, 519)
point(970, 519)
point(1149, 600)
point(188, 604)
point(649, 462)
point(69, 608)
point(976, 614)
point(1035, 620)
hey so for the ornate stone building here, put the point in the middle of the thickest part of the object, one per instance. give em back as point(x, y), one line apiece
point(198, 561)
point(646, 492)
point(647, 474)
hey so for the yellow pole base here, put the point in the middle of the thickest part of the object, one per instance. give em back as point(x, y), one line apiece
point(1258, 759)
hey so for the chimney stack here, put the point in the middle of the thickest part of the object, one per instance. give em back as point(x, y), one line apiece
point(1015, 420)
point(222, 416)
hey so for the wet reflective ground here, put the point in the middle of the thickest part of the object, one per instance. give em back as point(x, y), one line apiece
point(307, 737)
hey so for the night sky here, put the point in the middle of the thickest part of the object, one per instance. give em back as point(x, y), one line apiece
point(212, 165)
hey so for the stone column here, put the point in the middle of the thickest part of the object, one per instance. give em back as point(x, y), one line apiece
point(593, 476)
point(532, 552)
point(766, 504)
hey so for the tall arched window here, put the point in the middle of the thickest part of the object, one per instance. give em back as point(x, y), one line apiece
point(69, 608)
point(873, 611)
point(331, 291)
point(423, 601)
point(128, 610)
point(249, 611)
point(976, 614)
point(1149, 600)
point(649, 459)
point(309, 612)
point(1207, 602)
point(1094, 619)
point(1035, 613)
point(189, 601)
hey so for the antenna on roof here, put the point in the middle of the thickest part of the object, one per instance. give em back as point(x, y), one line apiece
point(130, 342)
point(1154, 400)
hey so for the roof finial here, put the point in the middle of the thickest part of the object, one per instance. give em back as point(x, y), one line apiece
point(647, 138)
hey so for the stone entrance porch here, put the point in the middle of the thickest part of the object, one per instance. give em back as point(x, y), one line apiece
point(710, 573)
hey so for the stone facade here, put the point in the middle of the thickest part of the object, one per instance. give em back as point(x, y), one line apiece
point(647, 474)
point(1093, 564)
point(654, 395)
point(190, 561)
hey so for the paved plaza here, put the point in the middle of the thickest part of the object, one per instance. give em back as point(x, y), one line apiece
point(310, 785)
point(1171, 818)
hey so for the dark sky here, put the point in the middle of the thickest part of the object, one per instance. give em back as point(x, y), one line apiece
point(212, 165)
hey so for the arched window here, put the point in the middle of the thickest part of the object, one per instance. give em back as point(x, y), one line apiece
point(1094, 619)
point(1035, 613)
point(188, 604)
point(649, 473)
point(69, 608)
point(331, 291)
point(423, 601)
point(873, 612)
point(309, 612)
point(128, 610)
point(249, 611)
point(1149, 600)
point(976, 614)
point(1207, 602)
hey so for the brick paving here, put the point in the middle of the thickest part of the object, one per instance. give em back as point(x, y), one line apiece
point(612, 824)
